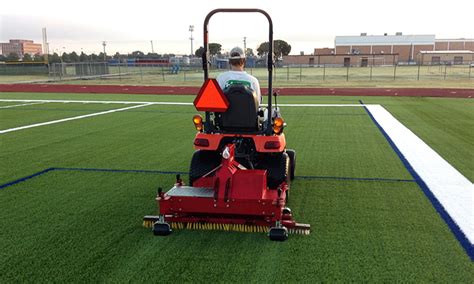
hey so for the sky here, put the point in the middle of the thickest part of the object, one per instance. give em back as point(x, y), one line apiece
point(127, 26)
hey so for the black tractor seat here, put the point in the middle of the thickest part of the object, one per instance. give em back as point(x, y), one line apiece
point(242, 114)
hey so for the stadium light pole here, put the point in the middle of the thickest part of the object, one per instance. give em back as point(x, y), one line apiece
point(104, 44)
point(191, 29)
point(245, 45)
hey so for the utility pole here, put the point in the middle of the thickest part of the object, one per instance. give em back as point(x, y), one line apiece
point(152, 50)
point(245, 45)
point(45, 46)
point(191, 29)
point(104, 44)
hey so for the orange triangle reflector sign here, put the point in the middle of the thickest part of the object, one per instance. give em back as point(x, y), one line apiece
point(211, 97)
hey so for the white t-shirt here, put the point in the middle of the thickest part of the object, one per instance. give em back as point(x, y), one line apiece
point(239, 77)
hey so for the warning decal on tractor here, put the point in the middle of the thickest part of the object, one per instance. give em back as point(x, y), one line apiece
point(211, 97)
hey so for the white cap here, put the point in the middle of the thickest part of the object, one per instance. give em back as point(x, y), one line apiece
point(237, 53)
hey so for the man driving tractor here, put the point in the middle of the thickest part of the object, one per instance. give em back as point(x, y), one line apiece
point(237, 74)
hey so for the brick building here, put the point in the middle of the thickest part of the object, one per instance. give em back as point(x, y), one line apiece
point(365, 50)
point(341, 59)
point(406, 46)
point(444, 57)
point(20, 47)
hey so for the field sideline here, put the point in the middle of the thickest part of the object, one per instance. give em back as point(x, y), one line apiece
point(370, 220)
point(285, 91)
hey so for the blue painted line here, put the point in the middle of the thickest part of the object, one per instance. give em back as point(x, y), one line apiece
point(122, 171)
point(183, 173)
point(25, 178)
point(467, 246)
point(89, 170)
point(355, 178)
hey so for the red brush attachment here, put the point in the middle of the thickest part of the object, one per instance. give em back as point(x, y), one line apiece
point(233, 195)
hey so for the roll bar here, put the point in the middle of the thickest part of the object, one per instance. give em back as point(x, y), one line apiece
point(205, 56)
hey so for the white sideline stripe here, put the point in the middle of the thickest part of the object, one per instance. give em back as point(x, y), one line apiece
point(38, 103)
point(321, 105)
point(99, 102)
point(454, 191)
point(71, 118)
point(171, 103)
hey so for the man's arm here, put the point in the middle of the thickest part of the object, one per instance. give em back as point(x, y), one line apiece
point(257, 89)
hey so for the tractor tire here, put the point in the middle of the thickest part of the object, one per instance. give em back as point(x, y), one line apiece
point(277, 167)
point(292, 154)
point(202, 163)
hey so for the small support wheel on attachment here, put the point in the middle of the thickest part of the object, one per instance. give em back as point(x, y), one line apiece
point(161, 229)
point(278, 234)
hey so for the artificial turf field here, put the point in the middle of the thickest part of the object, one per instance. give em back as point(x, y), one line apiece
point(81, 222)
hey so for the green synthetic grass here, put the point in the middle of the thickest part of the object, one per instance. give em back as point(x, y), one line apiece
point(444, 123)
point(74, 226)
point(37, 113)
point(9, 79)
point(90, 231)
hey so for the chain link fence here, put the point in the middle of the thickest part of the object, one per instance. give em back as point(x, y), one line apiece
point(297, 74)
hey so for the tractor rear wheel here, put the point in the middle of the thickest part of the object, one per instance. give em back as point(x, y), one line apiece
point(277, 167)
point(278, 234)
point(202, 163)
point(292, 154)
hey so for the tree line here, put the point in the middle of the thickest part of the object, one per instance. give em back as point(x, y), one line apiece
point(281, 48)
point(73, 57)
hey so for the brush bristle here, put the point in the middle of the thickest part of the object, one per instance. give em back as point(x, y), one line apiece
point(220, 227)
point(225, 227)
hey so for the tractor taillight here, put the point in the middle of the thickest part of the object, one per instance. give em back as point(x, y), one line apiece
point(197, 120)
point(201, 142)
point(278, 125)
point(272, 145)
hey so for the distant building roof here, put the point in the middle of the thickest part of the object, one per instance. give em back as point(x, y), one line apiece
point(385, 40)
point(454, 39)
point(447, 52)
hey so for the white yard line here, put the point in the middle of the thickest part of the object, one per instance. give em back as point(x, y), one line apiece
point(454, 191)
point(170, 103)
point(321, 105)
point(28, 104)
point(98, 102)
point(71, 118)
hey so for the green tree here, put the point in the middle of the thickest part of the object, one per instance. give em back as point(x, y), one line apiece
point(249, 52)
point(95, 58)
point(215, 48)
point(280, 47)
point(262, 49)
point(153, 55)
point(27, 58)
point(138, 54)
point(54, 58)
point(65, 57)
point(12, 57)
point(83, 57)
point(102, 57)
point(199, 51)
point(38, 58)
point(73, 57)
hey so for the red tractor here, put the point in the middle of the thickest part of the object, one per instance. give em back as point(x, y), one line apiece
point(239, 178)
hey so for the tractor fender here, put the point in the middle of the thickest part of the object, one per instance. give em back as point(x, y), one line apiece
point(263, 143)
